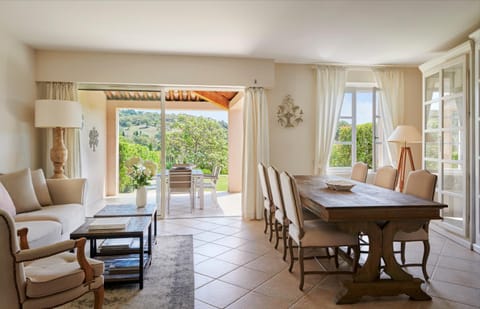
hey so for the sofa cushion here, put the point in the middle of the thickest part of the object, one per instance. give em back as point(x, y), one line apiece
point(20, 188)
point(40, 187)
point(6, 202)
point(41, 233)
point(70, 216)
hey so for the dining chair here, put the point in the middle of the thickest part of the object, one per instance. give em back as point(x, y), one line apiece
point(269, 208)
point(210, 182)
point(180, 181)
point(386, 177)
point(359, 172)
point(312, 233)
point(48, 276)
point(421, 184)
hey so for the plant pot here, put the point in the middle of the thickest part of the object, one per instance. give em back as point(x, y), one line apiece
point(141, 197)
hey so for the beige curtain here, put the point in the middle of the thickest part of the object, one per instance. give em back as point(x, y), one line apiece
point(330, 88)
point(255, 150)
point(61, 91)
point(391, 84)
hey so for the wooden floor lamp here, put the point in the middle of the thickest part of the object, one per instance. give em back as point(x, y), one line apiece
point(405, 135)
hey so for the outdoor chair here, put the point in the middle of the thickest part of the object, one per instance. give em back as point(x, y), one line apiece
point(210, 182)
point(180, 181)
point(45, 277)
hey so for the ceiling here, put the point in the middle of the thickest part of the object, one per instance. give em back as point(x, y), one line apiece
point(361, 32)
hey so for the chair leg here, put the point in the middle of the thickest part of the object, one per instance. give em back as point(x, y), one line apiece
point(356, 257)
point(214, 197)
point(265, 214)
point(426, 252)
point(336, 257)
point(284, 238)
point(402, 252)
point(290, 247)
point(302, 270)
point(270, 219)
point(276, 234)
point(99, 296)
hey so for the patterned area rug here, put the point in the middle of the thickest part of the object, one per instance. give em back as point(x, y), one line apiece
point(168, 283)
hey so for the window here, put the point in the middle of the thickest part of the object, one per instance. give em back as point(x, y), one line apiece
point(359, 133)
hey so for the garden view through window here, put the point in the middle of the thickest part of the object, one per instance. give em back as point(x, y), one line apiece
point(194, 137)
point(358, 135)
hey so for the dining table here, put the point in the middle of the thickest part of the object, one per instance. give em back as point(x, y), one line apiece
point(378, 213)
point(197, 183)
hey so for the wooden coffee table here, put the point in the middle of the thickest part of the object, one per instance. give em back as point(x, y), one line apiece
point(136, 229)
point(130, 210)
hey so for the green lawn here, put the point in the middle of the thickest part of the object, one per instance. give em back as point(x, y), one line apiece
point(222, 183)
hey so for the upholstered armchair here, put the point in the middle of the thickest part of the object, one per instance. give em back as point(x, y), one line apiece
point(47, 276)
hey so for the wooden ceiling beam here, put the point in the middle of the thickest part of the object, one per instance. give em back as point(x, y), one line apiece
point(214, 97)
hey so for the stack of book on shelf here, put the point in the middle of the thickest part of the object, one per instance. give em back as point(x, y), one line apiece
point(124, 266)
point(113, 245)
point(109, 223)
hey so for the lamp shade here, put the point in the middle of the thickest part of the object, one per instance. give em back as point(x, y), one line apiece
point(58, 114)
point(405, 134)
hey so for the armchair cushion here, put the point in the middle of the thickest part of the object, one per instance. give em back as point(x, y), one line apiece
point(20, 188)
point(41, 188)
point(56, 274)
point(6, 202)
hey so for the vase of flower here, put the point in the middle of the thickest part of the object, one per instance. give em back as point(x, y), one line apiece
point(141, 172)
point(141, 197)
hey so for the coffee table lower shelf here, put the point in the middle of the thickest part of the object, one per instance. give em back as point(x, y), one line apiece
point(128, 275)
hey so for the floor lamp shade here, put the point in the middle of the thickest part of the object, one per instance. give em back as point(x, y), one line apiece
point(58, 114)
point(405, 135)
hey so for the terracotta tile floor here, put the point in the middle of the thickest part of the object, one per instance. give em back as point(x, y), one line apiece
point(237, 267)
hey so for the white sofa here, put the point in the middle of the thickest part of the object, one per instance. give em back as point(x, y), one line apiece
point(50, 221)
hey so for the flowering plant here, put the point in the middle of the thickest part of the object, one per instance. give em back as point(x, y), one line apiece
point(140, 171)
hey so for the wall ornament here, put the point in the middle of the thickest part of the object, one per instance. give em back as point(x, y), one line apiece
point(289, 115)
point(93, 138)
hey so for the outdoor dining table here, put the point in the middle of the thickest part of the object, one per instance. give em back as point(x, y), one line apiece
point(197, 177)
point(378, 213)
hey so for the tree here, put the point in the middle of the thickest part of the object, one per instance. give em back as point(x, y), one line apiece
point(341, 154)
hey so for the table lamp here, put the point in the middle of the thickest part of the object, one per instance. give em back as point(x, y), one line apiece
point(58, 114)
point(405, 135)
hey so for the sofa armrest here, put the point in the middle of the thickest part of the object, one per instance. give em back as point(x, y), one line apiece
point(67, 191)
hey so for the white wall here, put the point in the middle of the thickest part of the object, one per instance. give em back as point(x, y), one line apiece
point(96, 67)
point(18, 137)
point(94, 162)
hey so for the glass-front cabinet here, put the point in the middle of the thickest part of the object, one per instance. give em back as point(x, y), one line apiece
point(446, 134)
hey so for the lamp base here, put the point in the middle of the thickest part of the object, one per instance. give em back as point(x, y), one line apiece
point(58, 153)
point(405, 152)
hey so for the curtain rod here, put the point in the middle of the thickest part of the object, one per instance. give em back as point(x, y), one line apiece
point(354, 67)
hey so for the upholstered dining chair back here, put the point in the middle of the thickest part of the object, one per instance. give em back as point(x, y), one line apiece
point(421, 183)
point(291, 200)
point(386, 177)
point(264, 184)
point(274, 180)
point(359, 172)
point(11, 284)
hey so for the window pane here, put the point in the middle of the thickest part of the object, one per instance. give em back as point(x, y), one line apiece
point(453, 80)
point(432, 166)
point(344, 131)
point(365, 143)
point(452, 109)
point(347, 105)
point(453, 214)
point(451, 145)
point(432, 115)
point(432, 87)
point(452, 178)
point(341, 156)
point(432, 145)
point(364, 107)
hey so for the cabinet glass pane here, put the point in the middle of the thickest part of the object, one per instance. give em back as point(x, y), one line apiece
point(432, 116)
point(452, 112)
point(453, 214)
point(432, 87)
point(453, 178)
point(432, 166)
point(453, 80)
point(432, 145)
point(452, 148)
